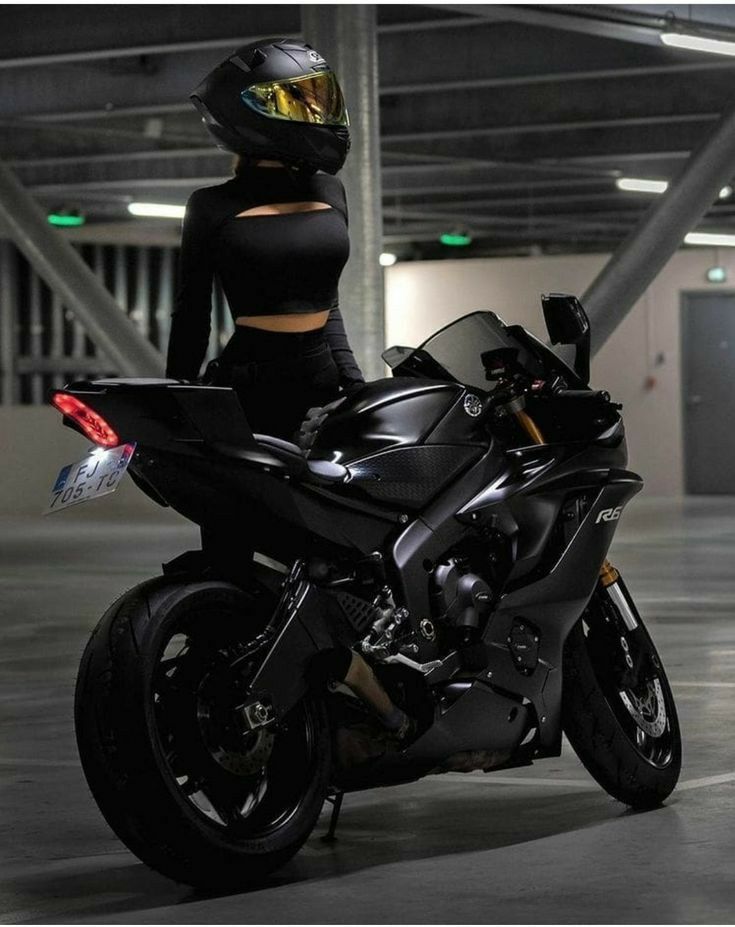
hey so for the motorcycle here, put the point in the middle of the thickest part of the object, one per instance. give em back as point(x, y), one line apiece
point(450, 524)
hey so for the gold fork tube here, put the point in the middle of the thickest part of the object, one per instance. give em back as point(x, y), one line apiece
point(529, 426)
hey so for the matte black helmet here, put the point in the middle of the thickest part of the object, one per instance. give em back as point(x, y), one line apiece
point(277, 99)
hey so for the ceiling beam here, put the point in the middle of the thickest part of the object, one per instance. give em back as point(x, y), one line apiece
point(555, 77)
point(134, 51)
point(388, 90)
point(164, 154)
point(615, 24)
point(666, 119)
point(230, 41)
point(181, 168)
point(486, 221)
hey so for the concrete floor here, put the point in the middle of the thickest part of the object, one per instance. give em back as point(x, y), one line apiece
point(540, 845)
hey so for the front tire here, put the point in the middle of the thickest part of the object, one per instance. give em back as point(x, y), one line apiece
point(172, 772)
point(618, 709)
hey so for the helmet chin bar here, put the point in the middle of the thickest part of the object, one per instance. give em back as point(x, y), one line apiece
point(313, 158)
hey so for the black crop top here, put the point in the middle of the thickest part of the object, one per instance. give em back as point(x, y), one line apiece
point(268, 265)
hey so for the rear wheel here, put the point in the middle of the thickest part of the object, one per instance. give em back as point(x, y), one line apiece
point(618, 707)
point(172, 769)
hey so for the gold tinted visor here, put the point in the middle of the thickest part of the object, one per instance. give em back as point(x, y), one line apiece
point(316, 99)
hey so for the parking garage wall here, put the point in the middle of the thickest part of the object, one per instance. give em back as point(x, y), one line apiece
point(640, 364)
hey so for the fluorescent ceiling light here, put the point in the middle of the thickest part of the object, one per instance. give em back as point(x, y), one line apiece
point(712, 239)
point(157, 210)
point(387, 259)
point(638, 185)
point(698, 43)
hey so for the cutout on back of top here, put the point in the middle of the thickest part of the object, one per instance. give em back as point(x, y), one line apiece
point(282, 209)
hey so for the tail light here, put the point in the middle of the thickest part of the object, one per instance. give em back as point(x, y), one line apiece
point(91, 422)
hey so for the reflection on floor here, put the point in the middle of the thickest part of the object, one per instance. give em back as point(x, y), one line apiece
point(542, 844)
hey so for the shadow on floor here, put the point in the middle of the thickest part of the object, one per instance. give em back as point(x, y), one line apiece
point(442, 821)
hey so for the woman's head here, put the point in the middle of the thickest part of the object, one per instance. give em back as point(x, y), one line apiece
point(277, 99)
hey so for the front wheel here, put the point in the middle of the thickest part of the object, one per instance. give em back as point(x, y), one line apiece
point(182, 784)
point(618, 709)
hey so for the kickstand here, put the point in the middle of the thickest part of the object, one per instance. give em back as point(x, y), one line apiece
point(335, 801)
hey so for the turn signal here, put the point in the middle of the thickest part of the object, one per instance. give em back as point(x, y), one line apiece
point(91, 422)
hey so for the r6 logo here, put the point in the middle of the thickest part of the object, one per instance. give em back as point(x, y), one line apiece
point(609, 514)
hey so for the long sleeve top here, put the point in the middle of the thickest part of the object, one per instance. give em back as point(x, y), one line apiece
point(267, 264)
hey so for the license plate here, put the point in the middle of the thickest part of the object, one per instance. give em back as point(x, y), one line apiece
point(97, 474)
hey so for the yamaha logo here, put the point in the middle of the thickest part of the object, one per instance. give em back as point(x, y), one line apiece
point(472, 405)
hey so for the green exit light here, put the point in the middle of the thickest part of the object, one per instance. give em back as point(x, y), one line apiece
point(55, 218)
point(455, 239)
point(717, 275)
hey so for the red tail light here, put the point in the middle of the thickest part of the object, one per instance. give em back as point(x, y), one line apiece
point(91, 422)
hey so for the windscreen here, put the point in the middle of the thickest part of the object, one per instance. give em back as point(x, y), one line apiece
point(458, 347)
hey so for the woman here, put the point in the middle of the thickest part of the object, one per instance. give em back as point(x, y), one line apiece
point(275, 235)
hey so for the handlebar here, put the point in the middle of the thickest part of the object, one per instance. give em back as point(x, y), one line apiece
point(599, 394)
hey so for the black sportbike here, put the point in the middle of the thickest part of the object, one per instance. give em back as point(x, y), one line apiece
point(449, 524)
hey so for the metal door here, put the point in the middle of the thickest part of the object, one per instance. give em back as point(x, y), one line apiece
point(708, 398)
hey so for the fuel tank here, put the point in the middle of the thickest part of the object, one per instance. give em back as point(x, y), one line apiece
point(402, 439)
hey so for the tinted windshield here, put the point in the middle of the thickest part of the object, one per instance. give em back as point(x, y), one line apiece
point(455, 353)
point(458, 347)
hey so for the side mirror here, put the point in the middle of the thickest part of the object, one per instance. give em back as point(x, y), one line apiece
point(396, 355)
point(567, 323)
point(566, 320)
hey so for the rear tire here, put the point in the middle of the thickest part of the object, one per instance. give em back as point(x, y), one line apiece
point(173, 775)
point(627, 738)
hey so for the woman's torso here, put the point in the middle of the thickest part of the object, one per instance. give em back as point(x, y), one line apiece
point(282, 265)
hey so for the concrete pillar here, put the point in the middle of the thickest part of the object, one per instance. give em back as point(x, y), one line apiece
point(54, 259)
point(643, 254)
point(346, 36)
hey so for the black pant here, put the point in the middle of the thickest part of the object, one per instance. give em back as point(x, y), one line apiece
point(278, 376)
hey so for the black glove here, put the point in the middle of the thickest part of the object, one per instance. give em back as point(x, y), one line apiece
point(352, 387)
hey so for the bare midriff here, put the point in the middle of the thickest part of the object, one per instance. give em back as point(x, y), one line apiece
point(297, 322)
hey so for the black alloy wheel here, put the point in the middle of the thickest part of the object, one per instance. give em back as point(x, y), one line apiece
point(178, 776)
point(237, 780)
point(618, 708)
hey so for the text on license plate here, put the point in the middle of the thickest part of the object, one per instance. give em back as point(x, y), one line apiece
point(97, 474)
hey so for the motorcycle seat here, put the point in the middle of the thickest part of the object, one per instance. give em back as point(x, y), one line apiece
point(318, 471)
point(276, 454)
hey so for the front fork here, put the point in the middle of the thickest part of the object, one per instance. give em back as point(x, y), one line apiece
point(611, 583)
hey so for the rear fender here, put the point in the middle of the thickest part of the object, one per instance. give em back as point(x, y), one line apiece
point(166, 414)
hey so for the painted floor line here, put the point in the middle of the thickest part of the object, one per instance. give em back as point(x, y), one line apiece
point(704, 685)
point(490, 779)
point(705, 782)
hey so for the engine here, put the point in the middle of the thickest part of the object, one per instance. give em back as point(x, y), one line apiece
point(462, 600)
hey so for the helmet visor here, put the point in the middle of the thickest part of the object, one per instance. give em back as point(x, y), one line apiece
point(316, 99)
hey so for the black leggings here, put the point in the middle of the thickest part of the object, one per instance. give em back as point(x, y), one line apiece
point(278, 376)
